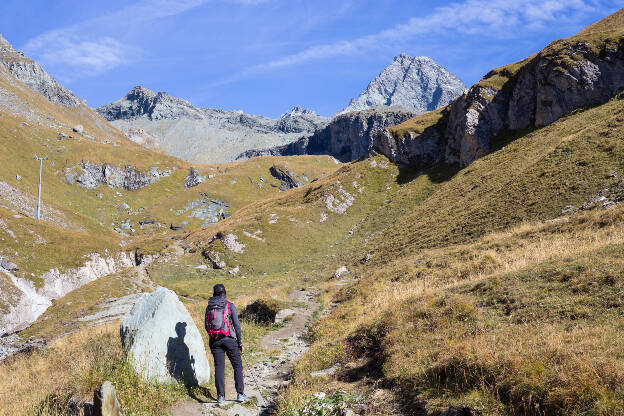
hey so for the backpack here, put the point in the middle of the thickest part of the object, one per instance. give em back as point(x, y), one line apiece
point(218, 321)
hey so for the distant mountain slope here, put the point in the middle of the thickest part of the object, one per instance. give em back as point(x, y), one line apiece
point(347, 137)
point(584, 70)
point(204, 134)
point(417, 83)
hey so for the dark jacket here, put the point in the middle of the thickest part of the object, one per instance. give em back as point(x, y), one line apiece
point(234, 323)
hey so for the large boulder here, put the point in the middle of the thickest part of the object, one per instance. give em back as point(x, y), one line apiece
point(162, 342)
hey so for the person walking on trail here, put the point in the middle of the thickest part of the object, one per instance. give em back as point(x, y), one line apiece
point(224, 331)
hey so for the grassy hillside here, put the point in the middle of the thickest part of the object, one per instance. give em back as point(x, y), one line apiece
point(496, 287)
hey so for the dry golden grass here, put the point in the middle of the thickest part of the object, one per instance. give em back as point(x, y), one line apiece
point(519, 322)
point(29, 381)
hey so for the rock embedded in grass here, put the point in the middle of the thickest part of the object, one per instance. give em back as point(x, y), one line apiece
point(340, 272)
point(8, 265)
point(193, 178)
point(105, 401)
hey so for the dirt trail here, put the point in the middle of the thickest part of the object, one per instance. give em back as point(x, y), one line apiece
point(271, 374)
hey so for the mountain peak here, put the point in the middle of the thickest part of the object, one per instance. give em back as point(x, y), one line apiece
point(143, 102)
point(34, 76)
point(417, 83)
point(299, 111)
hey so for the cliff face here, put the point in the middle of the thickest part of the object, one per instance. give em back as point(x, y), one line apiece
point(348, 137)
point(417, 83)
point(34, 76)
point(569, 74)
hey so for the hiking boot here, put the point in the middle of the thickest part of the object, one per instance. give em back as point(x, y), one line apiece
point(241, 398)
point(220, 400)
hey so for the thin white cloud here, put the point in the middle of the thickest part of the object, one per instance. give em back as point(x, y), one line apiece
point(74, 51)
point(499, 18)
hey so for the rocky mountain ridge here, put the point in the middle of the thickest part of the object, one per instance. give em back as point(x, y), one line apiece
point(347, 137)
point(417, 83)
point(568, 75)
point(203, 135)
point(34, 76)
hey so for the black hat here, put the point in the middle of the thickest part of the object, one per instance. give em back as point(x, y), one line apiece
point(218, 290)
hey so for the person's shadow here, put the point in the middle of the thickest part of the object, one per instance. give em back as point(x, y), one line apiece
point(180, 363)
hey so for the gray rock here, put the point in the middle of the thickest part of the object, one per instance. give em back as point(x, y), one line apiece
point(125, 225)
point(18, 177)
point(162, 341)
point(417, 83)
point(61, 136)
point(209, 210)
point(287, 178)
point(214, 258)
point(326, 372)
point(92, 176)
point(8, 265)
point(105, 401)
point(78, 129)
point(340, 272)
point(33, 76)
point(193, 178)
point(567, 210)
point(347, 137)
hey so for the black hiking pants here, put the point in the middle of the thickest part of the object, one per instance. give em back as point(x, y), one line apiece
point(219, 348)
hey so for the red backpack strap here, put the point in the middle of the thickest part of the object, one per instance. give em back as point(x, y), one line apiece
point(226, 319)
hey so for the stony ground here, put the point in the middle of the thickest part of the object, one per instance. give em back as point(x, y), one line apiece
point(265, 378)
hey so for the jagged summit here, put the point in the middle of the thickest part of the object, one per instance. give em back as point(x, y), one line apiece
point(141, 101)
point(300, 111)
point(417, 83)
point(34, 76)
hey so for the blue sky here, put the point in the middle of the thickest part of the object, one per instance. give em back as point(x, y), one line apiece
point(265, 56)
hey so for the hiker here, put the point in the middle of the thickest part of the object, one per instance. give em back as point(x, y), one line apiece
point(225, 338)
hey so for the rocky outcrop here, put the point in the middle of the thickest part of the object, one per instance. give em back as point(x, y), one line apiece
point(287, 178)
point(162, 342)
point(208, 210)
point(567, 75)
point(193, 178)
point(34, 76)
point(27, 301)
point(348, 137)
point(417, 83)
point(105, 401)
point(203, 135)
point(91, 175)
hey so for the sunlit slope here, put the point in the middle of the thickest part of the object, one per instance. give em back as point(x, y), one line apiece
point(471, 256)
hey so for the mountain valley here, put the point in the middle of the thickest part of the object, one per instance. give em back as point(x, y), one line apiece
point(432, 250)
